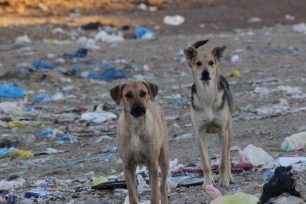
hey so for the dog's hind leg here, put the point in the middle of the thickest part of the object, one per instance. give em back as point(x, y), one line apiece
point(130, 178)
point(202, 145)
point(225, 162)
point(153, 174)
point(164, 167)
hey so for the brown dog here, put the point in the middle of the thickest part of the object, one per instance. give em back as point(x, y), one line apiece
point(211, 110)
point(142, 136)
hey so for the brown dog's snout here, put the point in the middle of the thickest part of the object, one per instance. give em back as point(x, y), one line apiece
point(138, 110)
point(205, 75)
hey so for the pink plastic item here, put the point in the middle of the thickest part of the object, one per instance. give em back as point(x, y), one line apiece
point(212, 191)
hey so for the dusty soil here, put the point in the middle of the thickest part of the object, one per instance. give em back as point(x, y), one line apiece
point(266, 53)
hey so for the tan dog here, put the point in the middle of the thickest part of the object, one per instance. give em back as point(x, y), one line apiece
point(211, 110)
point(142, 136)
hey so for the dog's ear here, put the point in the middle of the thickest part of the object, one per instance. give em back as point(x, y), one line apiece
point(152, 88)
point(116, 93)
point(218, 51)
point(190, 53)
point(198, 44)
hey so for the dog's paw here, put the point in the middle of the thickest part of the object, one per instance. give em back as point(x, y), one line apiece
point(208, 181)
point(224, 181)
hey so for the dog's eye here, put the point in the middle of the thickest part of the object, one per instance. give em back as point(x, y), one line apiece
point(198, 63)
point(129, 95)
point(142, 94)
point(211, 63)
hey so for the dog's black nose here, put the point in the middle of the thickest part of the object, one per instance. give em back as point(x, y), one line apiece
point(205, 75)
point(138, 110)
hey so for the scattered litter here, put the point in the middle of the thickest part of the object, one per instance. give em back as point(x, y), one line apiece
point(88, 43)
point(12, 184)
point(289, 161)
point(212, 191)
point(186, 136)
point(48, 132)
point(97, 117)
point(104, 138)
point(108, 74)
point(42, 64)
point(80, 53)
point(288, 200)
point(67, 138)
point(144, 33)
point(232, 58)
point(4, 151)
point(289, 17)
point(21, 40)
point(10, 108)
point(35, 193)
point(20, 154)
point(16, 124)
point(174, 20)
point(235, 74)
point(99, 180)
point(102, 36)
point(236, 198)
point(42, 97)
point(254, 20)
point(255, 155)
point(11, 90)
point(281, 182)
point(300, 28)
point(294, 142)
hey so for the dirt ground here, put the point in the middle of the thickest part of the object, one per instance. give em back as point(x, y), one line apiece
point(270, 55)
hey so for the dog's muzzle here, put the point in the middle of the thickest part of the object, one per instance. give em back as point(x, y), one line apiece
point(205, 75)
point(138, 110)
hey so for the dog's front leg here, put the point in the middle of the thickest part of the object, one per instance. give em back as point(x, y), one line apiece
point(130, 178)
point(202, 145)
point(224, 165)
point(164, 167)
point(153, 173)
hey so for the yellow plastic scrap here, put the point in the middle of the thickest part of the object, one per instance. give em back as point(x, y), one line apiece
point(234, 73)
point(21, 154)
point(16, 124)
point(98, 180)
point(236, 198)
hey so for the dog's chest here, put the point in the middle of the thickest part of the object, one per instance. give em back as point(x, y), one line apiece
point(139, 149)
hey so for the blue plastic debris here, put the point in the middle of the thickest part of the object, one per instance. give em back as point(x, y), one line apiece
point(181, 102)
point(108, 74)
point(89, 62)
point(110, 148)
point(36, 193)
point(268, 174)
point(4, 151)
point(142, 32)
point(76, 69)
point(143, 77)
point(45, 133)
point(11, 198)
point(104, 138)
point(10, 90)
point(67, 138)
point(80, 53)
point(42, 64)
point(105, 65)
point(43, 185)
point(42, 97)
